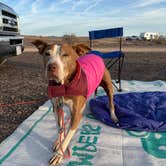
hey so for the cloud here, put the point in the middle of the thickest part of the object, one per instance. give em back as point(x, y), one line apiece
point(35, 5)
point(144, 3)
point(57, 17)
point(21, 4)
point(65, 1)
point(94, 4)
point(60, 6)
point(77, 4)
point(155, 13)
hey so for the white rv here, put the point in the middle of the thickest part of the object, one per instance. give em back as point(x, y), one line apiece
point(150, 35)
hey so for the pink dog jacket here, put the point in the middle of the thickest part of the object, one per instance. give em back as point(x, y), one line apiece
point(90, 70)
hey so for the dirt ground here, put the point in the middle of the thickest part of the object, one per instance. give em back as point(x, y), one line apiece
point(22, 77)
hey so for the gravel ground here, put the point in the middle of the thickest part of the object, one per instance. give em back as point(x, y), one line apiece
point(22, 79)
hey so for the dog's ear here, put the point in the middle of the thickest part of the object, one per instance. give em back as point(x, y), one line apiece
point(81, 49)
point(40, 45)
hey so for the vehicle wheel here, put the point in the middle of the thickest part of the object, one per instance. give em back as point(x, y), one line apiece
point(2, 61)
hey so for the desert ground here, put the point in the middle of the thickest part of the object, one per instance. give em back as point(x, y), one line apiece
point(22, 77)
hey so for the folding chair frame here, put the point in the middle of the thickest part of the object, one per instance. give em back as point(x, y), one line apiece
point(113, 60)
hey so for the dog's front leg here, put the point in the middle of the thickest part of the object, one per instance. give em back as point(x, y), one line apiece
point(78, 108)
point(56, 104)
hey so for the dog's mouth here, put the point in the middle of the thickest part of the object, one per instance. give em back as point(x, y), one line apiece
point(53, 76)
point(52, 71)
point(54, 82)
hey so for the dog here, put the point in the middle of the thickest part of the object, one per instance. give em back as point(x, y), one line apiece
point(75, 75)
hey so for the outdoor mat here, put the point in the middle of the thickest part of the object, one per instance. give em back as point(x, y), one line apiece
point(94, 142)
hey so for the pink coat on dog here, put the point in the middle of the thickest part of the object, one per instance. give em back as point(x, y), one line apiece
point(93, 66)
point(90, 71)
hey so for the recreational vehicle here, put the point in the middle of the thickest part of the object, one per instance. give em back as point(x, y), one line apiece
point(150, 35)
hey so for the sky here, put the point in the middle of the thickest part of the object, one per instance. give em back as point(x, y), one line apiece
point(59, 17)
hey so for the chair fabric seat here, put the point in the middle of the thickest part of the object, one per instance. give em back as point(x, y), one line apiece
point(112, 54)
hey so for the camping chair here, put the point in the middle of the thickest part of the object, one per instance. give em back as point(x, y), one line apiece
point(112, 57)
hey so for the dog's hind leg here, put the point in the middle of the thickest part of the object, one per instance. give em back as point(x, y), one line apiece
point(106, 83)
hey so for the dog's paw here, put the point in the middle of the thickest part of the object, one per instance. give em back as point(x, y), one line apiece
point(58, 142)
point(56, 145)
point(114, 117)
point(56, 159)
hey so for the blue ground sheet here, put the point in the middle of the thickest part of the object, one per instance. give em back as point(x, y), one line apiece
point(136, 111)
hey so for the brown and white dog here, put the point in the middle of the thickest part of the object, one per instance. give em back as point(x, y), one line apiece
point(60, 63)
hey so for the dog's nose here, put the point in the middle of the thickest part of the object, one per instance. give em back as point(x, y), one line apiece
point(52, 67)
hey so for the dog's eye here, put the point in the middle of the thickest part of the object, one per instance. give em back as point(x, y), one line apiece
point(64, 54)
point(47, 54)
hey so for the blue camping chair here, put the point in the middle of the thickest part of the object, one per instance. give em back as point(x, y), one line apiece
point(112, 57)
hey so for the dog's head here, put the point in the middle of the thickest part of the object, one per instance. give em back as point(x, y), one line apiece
point(59, 60)
point(81, 49)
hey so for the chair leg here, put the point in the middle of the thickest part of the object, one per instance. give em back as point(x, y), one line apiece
point(120, 71)
point(120, 65)
point(110, 63)
point(119, 75)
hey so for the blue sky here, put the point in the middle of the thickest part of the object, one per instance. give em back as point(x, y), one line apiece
point(59, 17)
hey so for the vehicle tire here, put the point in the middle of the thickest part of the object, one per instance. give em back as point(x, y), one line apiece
point(2, 61)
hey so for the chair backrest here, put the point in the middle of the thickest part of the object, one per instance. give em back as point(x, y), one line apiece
point(106, 33)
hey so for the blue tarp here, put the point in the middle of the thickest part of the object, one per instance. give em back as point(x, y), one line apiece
point(135, 111)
